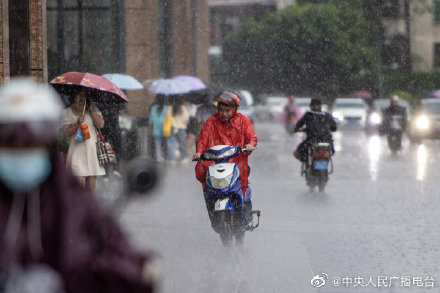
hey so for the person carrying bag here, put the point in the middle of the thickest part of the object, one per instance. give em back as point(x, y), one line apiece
point(168, 122)
point(106, 154)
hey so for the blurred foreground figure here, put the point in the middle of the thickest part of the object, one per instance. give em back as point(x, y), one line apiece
point(53, 235)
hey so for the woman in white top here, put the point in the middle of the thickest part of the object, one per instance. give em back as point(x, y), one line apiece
point(81, 156)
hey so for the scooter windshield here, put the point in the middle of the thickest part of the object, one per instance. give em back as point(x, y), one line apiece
point(220, 152)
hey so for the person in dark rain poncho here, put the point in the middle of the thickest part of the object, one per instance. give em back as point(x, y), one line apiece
point(318, 127)
point(50, 225)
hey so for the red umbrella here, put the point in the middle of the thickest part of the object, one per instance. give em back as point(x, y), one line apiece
point(364, 94)
point(99, 88)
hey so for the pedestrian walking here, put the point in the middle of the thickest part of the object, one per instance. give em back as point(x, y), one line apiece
point(179, 125)
point(81, 156)
point(158, 111)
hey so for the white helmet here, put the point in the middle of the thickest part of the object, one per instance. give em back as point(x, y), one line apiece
point(29, 112)
point(395, 98)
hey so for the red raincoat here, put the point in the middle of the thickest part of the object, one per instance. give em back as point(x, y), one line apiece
point(237, 131)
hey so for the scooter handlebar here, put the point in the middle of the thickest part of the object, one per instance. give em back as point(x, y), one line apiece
point(241, 150)
point(245, 149)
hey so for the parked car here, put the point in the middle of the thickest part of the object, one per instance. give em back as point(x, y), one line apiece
point(350, 111)
point(375, 117)
point(425, 123)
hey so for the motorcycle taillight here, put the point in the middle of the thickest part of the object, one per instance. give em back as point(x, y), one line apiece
point(321, 154)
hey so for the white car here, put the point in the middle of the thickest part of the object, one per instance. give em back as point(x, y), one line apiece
point(350, 111)
point(246, 104)
point(303, 104)
point(276, 105)
point(271, 109)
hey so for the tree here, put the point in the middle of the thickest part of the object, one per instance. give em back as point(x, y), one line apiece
point(319, 49)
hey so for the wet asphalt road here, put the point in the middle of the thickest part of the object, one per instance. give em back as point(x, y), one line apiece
point(375, 228)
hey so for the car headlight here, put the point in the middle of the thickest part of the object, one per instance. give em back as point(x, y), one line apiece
point(338, 116)
point(422, 122)
point(375, 118)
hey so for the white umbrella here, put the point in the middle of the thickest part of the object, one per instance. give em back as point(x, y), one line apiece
point(169, 87)
point(124, 81)
point(193, 82)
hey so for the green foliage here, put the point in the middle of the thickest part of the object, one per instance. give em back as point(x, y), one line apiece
point(418, 84)
point(319, 49)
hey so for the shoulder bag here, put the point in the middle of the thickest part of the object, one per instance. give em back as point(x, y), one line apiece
point(105, 152)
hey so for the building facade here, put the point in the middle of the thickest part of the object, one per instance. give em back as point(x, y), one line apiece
point(24, 55)
point(147, 39)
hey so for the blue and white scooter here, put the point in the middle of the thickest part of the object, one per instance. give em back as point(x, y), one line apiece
point(231, 214)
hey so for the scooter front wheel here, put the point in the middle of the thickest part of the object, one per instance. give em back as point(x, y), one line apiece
point(321, 186)
point(226, 228)
point(239, 237)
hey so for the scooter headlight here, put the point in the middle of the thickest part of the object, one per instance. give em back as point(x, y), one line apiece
point(375, 118)
point(220, 183)
point(338, 116)
point(422, 122)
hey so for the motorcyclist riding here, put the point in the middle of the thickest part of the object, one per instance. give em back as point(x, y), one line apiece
point(226, 127)
point(393, 110)
point(318, 127)
point(51, 228)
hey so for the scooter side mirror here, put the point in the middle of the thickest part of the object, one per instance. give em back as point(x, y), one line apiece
point(141, 176)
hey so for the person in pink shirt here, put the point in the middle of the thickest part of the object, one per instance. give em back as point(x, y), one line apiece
point(291, 114)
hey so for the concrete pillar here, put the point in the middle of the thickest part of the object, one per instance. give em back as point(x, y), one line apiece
point(142, 53)
point(23, 39)
point(191, 38)
point(4, 42)
point(38, 39)
point(202, 41)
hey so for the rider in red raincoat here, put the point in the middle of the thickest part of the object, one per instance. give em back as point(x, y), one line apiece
point(226, 127)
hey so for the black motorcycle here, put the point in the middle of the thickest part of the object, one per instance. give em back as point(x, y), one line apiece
point(318, 166)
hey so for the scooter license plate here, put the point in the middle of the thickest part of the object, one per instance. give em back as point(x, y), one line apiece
point(222, 204)
point(320, 165)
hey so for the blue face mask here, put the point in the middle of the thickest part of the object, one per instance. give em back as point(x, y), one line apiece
point(23, 170)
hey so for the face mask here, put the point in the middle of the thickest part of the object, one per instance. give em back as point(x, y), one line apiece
point(23, 170)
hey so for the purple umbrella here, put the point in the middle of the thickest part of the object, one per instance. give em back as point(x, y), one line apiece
point(193, 82)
